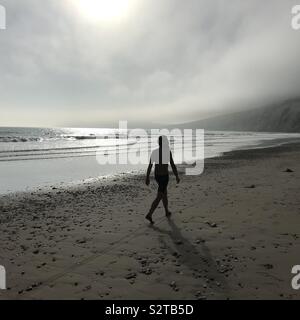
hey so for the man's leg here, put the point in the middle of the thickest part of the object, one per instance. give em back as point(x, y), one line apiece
point(166, 202)
point(155, 204)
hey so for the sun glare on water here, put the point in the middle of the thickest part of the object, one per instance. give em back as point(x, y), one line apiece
point(104, 10)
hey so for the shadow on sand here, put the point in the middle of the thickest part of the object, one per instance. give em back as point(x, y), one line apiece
point(196, 257)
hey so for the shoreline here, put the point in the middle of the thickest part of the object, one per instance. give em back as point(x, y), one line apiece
point(108, 181)
point(78, 183)
point(228, 238)
point(31, 174)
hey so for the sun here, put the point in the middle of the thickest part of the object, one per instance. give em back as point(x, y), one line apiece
point(104, 10)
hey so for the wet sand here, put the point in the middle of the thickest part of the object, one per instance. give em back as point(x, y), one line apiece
point(234, 234)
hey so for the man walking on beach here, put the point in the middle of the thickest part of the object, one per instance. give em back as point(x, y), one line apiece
point(161, 157)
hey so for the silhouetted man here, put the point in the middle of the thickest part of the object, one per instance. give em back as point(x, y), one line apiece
point(161, 157)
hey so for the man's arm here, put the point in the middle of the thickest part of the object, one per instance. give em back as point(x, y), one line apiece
point(148, 173)
point(174, 168)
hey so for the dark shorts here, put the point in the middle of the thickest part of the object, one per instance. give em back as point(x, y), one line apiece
point(162, 182)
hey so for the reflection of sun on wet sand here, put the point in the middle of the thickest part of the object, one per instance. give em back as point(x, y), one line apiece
point(234, 233)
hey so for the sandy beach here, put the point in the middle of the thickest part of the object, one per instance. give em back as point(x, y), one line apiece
point(234, 234)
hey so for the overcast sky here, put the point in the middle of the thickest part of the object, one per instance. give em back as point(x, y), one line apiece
point(162, 61)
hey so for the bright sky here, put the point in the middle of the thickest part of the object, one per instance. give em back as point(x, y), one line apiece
point(95, 62)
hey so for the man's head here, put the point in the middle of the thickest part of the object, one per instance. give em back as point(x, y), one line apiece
point(163, 141)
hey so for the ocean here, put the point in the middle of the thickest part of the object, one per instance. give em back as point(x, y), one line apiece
point(34, 158)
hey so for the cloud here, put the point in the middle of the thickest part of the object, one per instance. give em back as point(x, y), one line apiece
point(168, 61)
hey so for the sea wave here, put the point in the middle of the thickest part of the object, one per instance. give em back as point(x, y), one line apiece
point(20, 139)
point(113, 145)
point(95, 137)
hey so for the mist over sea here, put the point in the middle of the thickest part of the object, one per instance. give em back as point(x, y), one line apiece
point(32, 158)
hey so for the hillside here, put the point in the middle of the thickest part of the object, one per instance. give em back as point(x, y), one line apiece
point(282, 117)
